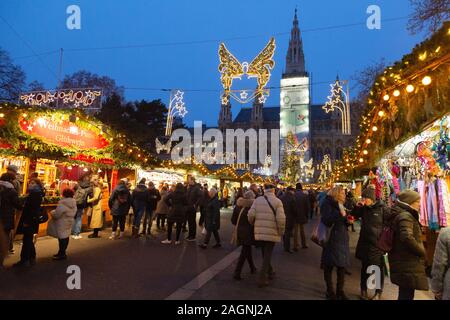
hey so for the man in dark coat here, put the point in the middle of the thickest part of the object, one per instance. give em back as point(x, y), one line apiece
point(290, 210)
point(212, 220)
point(119, 203)
point(9, 202)
point(407, 257)
point(152, 202)
point(371, 213)
point(194, 197)
point(139, 200)
point(303, 208)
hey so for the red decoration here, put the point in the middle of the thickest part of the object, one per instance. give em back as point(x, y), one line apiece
point(90, 159)
point(64, 134)
point(5, 145)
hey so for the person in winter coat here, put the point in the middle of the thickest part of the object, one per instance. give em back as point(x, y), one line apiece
point(29, 222)
point(153, 198)
point(119, 203)
point(290, 210)
point(9, 202)
point(407, 256)
point(177, 202)
point(440, 273)
point(162, 209)
point(349, 204)
point(194, 195)
point(371, 213)
point(267, 215)
point(212, 219)
point(94, 200)
point(82, 191)
point(4, 243)
point(303, 208)
point(140, 201)
point(13, 170)
point(336, 252)
point(61, 223)
point(203, 203)
point(245, 234)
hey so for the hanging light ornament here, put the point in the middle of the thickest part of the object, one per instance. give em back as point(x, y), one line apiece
point(409, 88)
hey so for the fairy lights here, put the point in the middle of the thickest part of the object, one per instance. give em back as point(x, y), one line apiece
point(176, 107)
point(84, 97)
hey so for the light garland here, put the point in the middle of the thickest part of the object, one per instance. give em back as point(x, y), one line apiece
point(335, 102)
point(85, 97)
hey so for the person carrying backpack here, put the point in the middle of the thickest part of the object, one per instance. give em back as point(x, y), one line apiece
point(83, 190)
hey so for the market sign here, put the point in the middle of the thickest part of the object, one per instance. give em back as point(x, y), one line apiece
point(63, 133)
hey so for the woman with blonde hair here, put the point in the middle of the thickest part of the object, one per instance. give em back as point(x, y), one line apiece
point(336, 252)
point(97, 209)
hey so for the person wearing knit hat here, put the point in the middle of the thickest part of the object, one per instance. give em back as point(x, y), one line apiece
point(409, 196)
point(407, 256)
point(370, 212)
point(369, 193)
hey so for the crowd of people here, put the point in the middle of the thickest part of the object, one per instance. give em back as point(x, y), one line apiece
point(262, 217)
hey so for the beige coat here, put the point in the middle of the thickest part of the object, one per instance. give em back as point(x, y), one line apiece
point(267, 227)
point(97, 212)
point(62, 218)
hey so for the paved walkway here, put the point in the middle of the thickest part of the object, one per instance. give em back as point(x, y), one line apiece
point(146, 269)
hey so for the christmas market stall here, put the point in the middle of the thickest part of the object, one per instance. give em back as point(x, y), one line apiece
point(61, 145)
point(404, 139)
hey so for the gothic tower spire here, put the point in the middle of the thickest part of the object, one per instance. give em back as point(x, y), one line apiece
point(295, 58)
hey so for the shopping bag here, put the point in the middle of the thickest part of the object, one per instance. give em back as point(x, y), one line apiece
point(321, 234)
point(234, 238)
point(51, 229)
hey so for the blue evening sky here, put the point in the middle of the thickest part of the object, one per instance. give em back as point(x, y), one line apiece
point(42, 25)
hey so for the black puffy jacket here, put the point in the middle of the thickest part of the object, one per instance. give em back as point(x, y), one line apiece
point(371, 227)
point(9, 201)
point(407, 257)
point(177, 202)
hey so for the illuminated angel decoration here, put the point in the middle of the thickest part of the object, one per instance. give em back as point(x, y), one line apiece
point(230, 68)
point(163, 147)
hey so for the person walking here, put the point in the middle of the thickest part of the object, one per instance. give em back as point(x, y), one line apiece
point(194, 196)
point(162, 209)
point(212, 220)
point(9, 202)
point(119, 203)
point(139, 199)
point(440, 273)
point(82, 191)
point(407, 257)
point(61, 223)
point(177, 202)
point(312, 202)
point(244, 232)
point(371, 212)
point(94, 200)
point(290, 211)
point(153, 198)
point(303, 208)
point(203, 203)
point(29, 222)
point(267, 215)
point(336, 253)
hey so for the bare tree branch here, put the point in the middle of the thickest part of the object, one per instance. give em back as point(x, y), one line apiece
point(428, 14)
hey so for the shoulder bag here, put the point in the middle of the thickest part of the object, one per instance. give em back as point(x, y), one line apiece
point(234, 238)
